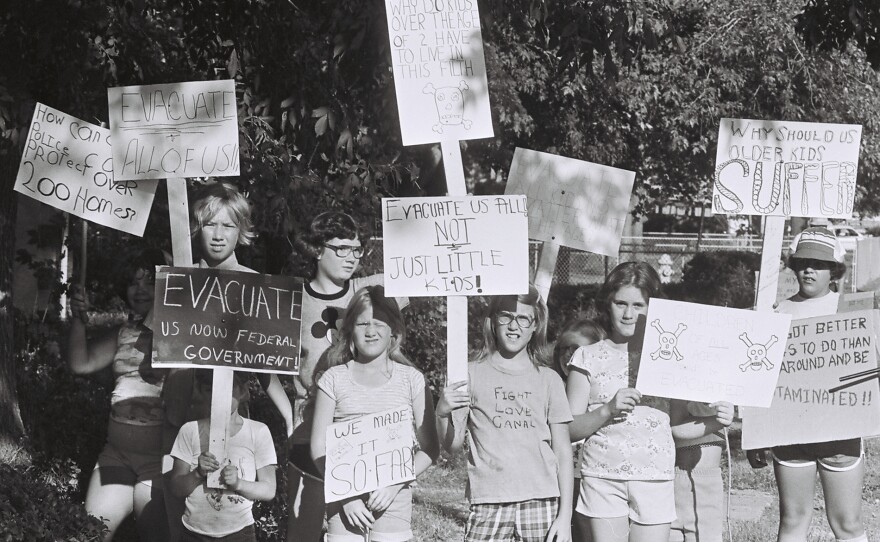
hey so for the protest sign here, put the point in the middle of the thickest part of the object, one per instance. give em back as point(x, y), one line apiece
point(780, 168)
point(707, 353)
point(174, 130)
point(226, 319)
point(369, 453)
point(68, 164)
point(439, 70)
point(452, 246)
point(571, 202)
point(809, 403)
point(857, 301)
point(786, 286)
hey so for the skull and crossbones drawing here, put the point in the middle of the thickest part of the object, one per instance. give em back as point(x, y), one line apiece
point(757, 354)
point(450, 105)
point(668, 342)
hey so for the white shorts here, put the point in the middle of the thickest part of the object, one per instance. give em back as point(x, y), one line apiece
point(647, 502)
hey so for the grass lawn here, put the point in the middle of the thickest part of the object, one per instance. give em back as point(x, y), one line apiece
point(440, 510)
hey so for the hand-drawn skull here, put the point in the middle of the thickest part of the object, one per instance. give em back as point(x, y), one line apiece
point(449, 102)
point(668, 342)
point(757, 354)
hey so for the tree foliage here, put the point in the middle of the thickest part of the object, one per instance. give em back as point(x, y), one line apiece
point(832, 24)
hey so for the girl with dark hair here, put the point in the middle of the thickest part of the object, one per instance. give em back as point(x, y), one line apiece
point(365, 372)
point(516, 417)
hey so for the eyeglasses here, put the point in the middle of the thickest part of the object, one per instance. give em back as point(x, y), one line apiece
point(523, 321)
point(344, 250)
point(799, 264)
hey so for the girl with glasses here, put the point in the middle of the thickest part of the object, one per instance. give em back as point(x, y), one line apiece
point(627, 460)
point(516, 419)
point(333, 247)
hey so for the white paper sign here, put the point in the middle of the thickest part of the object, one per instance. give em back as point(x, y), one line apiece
point(368, 453)
point(439, 70)
point(174, 130)
point(707, 353)
point(781, 168)
point(455, 246)
point(810, 403)
point(67, 163)
point(571, 202)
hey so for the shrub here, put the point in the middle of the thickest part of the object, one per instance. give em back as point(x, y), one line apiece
point(726, 279)
point(37, 507)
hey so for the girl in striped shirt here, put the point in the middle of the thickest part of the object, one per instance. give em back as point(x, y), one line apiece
point(363, 373)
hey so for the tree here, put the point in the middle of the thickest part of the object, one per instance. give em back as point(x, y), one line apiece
point(832, 24)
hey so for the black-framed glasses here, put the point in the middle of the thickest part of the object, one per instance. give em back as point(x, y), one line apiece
point(505, 318)
point(344, 250)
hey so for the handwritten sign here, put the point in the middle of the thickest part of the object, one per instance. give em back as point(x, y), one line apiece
point(439, 70)
point(707, 353)
point(174, 130)
point(819, 352)
point(455, 246)
point(571, 202)
point(369, 453)
point(219, 318)
point(857, 301)
point(780, 168)
point(786, 286)
point(68, 164)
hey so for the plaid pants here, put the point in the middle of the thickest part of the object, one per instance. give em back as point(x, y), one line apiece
point(526, 521)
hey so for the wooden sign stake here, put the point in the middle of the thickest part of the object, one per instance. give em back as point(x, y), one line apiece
point(221, 394)
point(456, 306)
point(543, 278)
point(771, 251)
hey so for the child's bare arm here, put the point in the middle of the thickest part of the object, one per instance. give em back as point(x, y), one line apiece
point(322, 417)
point(560, 441)
point(586, 422)
point(263, 489)
point(686, 426)
point(429, 448)
point(279, 398)
point(85, 356)
point(451, 405)
point(184, 480)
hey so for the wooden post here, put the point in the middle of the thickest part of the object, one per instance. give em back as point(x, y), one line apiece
point(543, 278)
point(456, 306)
point(221, 394)
point(771, 251)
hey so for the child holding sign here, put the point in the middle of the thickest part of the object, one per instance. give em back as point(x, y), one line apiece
point(333, 245)
point(627, 460)
point(363, 373)
point(128, 475)
point(516, 416)
point(248, 475)
point(818, 260)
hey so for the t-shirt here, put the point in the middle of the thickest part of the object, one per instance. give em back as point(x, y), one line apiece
point(354, 400)
point(638, 446)
point(510, 458)
point(802, 307)
point(321, 316)
point(219, 512)
point(136, 397)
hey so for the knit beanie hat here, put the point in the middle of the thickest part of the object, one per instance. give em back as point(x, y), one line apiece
point(819, 243)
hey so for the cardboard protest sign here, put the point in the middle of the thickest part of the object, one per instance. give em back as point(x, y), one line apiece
point(780, 168)
point(227, 319)
point(809, 403)
point(708, 353)
point(571, 202)
point(455, 246)
point(786, 286)
point(67, 163)
point(439, 70)
point(174, 130)
point(369, 453)
point(857, 301)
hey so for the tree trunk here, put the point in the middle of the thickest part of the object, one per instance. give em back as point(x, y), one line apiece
point(11, 426)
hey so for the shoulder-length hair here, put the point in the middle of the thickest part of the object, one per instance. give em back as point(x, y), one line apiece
point(569, 340)
point(638, 274)
point(221, 195)
point(539, 351)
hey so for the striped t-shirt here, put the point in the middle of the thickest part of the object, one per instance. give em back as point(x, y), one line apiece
point(354, 400)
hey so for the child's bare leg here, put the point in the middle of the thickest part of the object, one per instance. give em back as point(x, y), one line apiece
point(305, 520)
point(796, 488)
point(608, 529)
point(648, 533)
point(149, 512)
point(111, 503)
point(843, 501)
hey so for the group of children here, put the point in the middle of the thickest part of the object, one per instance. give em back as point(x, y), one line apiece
point(644, 469)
